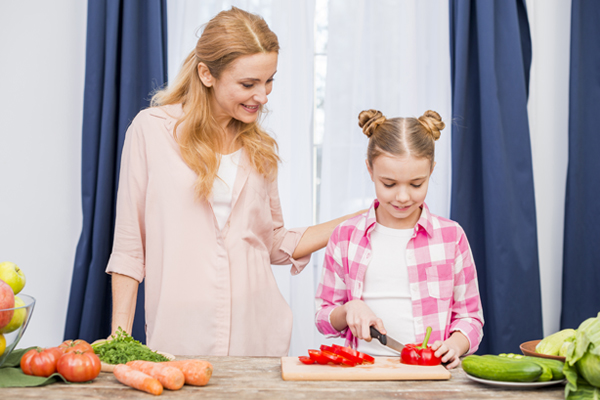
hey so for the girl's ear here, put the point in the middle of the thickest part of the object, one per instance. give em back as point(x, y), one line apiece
point(205, 75)
point(369, 169)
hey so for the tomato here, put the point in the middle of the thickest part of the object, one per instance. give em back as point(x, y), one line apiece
point(77, 366)
point(76, 345)
point(306, 360)
point(40, 362)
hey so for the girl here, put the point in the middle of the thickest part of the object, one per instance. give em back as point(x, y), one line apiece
point(398, 267)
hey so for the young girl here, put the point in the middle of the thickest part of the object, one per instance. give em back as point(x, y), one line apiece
point(398, 267)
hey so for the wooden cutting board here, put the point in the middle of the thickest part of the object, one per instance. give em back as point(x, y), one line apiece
point(384, 369)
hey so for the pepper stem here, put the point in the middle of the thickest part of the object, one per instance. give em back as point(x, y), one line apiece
point(427, 334)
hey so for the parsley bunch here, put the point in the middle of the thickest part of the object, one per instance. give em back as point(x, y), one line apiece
point(124, 348)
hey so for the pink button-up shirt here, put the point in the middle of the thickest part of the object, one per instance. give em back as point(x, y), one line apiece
point(442, 277)
point(208, 291)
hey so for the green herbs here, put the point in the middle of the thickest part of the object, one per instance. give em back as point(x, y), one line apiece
point(124, 348)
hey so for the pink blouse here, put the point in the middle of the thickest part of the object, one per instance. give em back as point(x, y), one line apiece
point(208, 291)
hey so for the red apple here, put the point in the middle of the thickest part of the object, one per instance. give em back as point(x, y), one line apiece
point(7, 300)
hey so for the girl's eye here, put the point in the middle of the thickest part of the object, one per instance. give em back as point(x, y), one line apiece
point(389, 185)
point(417, 186)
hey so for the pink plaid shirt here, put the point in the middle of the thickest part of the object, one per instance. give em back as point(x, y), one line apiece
point(442, 275)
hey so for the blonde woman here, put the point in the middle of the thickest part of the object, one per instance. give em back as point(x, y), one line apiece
point(198, 210)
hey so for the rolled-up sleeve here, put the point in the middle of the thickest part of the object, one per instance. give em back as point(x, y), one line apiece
point(467, 312)
point(331, 292)
point(127, 257)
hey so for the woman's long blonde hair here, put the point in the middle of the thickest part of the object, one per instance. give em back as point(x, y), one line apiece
point(229, 35)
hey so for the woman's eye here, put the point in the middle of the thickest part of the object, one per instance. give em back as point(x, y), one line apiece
point(247, 85)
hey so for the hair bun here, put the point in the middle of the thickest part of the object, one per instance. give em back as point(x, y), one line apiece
point(369, 120)
point(433, 123)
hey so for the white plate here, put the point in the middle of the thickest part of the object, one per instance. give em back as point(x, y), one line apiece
point(516, 385)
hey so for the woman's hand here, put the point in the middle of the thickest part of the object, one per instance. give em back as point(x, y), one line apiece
point(451, 349)
point(357, 316)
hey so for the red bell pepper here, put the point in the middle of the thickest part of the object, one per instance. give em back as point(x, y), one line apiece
point(419, 353)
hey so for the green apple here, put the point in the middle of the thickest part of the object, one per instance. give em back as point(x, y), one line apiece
point(13, 275)
point(18, 317)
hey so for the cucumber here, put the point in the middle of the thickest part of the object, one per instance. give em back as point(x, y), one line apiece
point(546, 370)
point(555, 366)
point(497, 369)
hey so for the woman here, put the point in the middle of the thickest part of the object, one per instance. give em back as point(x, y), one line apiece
point(198, 211)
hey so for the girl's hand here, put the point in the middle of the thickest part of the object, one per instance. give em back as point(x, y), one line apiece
point(360, 318)
point(451, 349)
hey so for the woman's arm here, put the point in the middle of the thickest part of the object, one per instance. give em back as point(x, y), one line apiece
point(316, 236)
point(124, 294)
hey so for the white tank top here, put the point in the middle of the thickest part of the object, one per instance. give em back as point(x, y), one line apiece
point(223, 186)
point(387, 290)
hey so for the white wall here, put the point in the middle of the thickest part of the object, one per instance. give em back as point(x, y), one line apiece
point(42, 50)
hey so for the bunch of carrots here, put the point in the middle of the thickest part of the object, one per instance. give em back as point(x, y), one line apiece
point(152, 377)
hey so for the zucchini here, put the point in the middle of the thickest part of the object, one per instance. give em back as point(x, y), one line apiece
point(497, 369)
point(555, 366)
point(546, 370)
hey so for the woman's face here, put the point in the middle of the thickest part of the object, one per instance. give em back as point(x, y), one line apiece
point(242, 88)
point(401, 184)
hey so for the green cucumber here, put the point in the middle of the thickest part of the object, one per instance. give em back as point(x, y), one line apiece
point(546, 370)
point(556, 366)
point(497, 369)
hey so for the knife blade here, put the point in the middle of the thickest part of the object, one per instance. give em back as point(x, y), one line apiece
point(386, 340)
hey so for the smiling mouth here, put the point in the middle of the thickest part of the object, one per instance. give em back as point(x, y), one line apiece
point(401, 208)
point(250, 108)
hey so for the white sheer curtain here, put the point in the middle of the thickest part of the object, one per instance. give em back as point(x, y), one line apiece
point(289, 121)
point(548, 108)
point(387, 55)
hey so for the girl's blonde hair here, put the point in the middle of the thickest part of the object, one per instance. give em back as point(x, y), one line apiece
point(229, 35)
point(401, 136)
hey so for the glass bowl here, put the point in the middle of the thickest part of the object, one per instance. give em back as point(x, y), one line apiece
point(14, 331)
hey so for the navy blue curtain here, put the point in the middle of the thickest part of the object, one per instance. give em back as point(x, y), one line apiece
point(492, 175)
point(125, 62)
point(581, 258)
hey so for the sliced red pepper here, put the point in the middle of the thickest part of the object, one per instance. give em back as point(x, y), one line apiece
point(306, 360)
point(420, 354)
point(318, 357)
point(324, 347)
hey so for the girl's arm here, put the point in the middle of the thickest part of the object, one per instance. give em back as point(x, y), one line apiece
point(124, 294)
point(451, 349)
point(316, 236)
point(357, 316)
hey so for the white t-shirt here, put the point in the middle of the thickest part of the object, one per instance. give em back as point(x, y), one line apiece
point(387, 290)
point(223, 186)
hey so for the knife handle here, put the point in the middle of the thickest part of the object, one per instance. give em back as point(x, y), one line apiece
point(377, 335)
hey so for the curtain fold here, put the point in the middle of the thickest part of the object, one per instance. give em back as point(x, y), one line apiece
point(492, 177)
point(125, 62)
point(581, 272)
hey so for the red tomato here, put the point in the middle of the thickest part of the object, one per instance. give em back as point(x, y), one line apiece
point(40, 362)
point(76, 366)
point(306, 360)
point(76, 345)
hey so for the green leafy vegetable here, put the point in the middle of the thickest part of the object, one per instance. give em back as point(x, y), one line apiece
point(124, 348)
point(582, 366)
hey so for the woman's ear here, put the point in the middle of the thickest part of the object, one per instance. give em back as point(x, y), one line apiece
point(432, 167)
point(205, 75)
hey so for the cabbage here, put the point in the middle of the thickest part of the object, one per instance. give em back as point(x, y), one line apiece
point(582, 364)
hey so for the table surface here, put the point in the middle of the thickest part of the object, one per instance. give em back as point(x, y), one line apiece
point(260, 378)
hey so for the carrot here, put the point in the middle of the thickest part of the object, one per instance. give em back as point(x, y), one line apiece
point(137, 379)
point(196, 372)
point(170, 377)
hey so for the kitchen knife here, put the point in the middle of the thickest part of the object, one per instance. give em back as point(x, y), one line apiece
point(386, 340)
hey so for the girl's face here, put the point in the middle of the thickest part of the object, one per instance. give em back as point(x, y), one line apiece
point(401, 184)
point(242, 88)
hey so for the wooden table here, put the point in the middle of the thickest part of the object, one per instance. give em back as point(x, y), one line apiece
point(243, 378)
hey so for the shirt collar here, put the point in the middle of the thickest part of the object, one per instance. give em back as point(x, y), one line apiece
point(425, 220)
